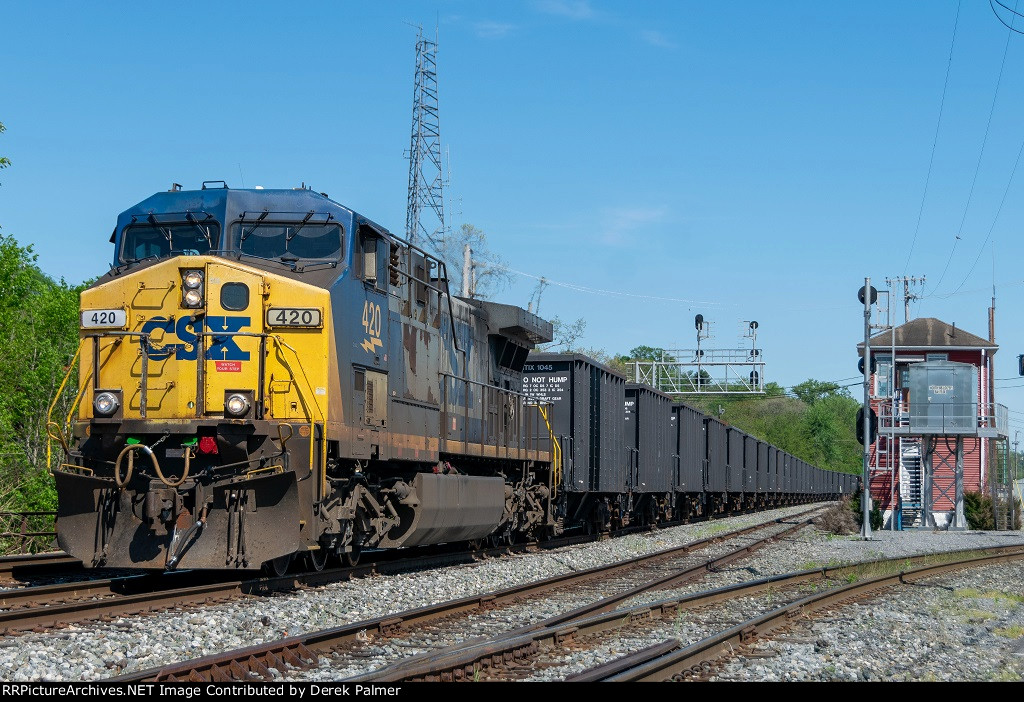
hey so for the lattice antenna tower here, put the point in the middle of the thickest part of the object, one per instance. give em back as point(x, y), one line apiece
point(426, 172)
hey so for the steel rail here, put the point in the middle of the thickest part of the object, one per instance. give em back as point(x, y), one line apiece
point(450, 663)
point(468, 662)
point(21, 565)
point(239, 664)
point(693, 659)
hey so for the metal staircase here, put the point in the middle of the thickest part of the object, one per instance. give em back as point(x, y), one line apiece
point(910, 483)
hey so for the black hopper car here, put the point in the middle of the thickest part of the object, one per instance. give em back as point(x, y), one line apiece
point(632, 454)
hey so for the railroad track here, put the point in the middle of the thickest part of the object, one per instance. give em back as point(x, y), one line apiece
point(305, 651)
point(98, 598)
point(672, 660)
point(22, 567)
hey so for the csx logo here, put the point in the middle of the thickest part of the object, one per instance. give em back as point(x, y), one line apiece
point(221, 347)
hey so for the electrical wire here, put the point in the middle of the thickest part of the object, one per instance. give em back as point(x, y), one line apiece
point(977, 168)
point(992, 4)
point(935, 140)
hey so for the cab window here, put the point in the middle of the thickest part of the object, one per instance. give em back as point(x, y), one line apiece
point(149, 240)
point(273, 240)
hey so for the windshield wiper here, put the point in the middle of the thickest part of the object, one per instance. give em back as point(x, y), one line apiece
point(205, 232)
point(245, 234)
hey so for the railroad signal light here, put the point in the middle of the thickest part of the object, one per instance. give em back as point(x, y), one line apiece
point(698, 322)
point(860, 365)
point(1020, 364)
point(874, 295)
point(860, 426)
point(395, 261)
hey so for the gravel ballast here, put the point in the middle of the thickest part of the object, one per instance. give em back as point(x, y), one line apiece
point(97, 650)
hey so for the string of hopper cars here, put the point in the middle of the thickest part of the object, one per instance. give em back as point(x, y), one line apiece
point(267, 374)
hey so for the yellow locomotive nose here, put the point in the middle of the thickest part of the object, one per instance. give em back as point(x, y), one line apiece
point(203, 400)
point(197, 337)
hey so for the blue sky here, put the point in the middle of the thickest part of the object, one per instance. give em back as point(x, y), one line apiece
point(757, 159)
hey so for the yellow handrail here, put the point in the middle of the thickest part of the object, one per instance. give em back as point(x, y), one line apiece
point(305, 406)
point(556, 453)
point(53, 405)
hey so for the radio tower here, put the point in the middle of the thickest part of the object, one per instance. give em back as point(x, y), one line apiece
point(426, 177)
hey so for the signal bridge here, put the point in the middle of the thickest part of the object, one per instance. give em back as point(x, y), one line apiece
point(703, 371)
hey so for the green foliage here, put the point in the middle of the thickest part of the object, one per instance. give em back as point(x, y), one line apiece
point(646, 353)
point(819, 430)
point(858, 514)
point(38, 338)
point(810, 391)
point(978, 511)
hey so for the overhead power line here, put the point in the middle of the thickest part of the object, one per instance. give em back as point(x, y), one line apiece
point(935, 140)
point(981, 154)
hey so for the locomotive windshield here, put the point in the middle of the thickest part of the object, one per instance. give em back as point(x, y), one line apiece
point(273, 240)
point(154, 240)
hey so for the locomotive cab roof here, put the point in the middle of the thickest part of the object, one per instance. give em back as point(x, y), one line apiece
point(219, 219)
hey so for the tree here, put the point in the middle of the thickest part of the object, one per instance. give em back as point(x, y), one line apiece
point(565, 335)
point(647, 353)
point(810, 391)
point(490, 273)
point(38, 339)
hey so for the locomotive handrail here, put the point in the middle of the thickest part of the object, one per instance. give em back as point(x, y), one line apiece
point(53, 405)
point(143, 349)
point(312, 422)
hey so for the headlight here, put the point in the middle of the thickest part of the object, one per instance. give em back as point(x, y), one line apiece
point(105, 404)
point(193, 298)
point(237, 405)
point(192, 280)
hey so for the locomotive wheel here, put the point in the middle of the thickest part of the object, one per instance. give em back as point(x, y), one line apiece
point(278, 566)
point(316, 559)
point(351, 558)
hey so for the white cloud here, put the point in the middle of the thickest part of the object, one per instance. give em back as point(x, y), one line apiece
point(656, 38)
point(573, 9)
point(619, 223)
point(492, 30)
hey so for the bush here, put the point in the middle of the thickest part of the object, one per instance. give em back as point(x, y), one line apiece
point(858, 513)
point(838, 519)
point(978, 511)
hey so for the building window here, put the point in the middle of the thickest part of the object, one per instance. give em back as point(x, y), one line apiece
point(883, 378)
point(937, 357)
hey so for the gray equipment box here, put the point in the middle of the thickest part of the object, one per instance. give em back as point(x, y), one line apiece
point(943, 398)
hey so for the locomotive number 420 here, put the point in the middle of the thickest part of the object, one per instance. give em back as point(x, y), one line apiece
point(293, 317)
point(371, 318)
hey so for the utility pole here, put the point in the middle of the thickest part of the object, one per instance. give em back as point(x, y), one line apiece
point(1013, 483)
point(907, 295)
point(467, 270)
point(868, 295)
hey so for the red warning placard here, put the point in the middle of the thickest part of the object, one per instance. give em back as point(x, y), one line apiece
point(229, 366)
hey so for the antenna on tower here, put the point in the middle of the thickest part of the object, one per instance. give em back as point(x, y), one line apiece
point(426, 172)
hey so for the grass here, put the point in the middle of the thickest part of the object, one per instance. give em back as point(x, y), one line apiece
point(994, 595)
point(1009, 632)
point(977, 616)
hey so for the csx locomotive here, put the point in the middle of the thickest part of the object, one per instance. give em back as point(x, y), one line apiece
point(267, 374)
